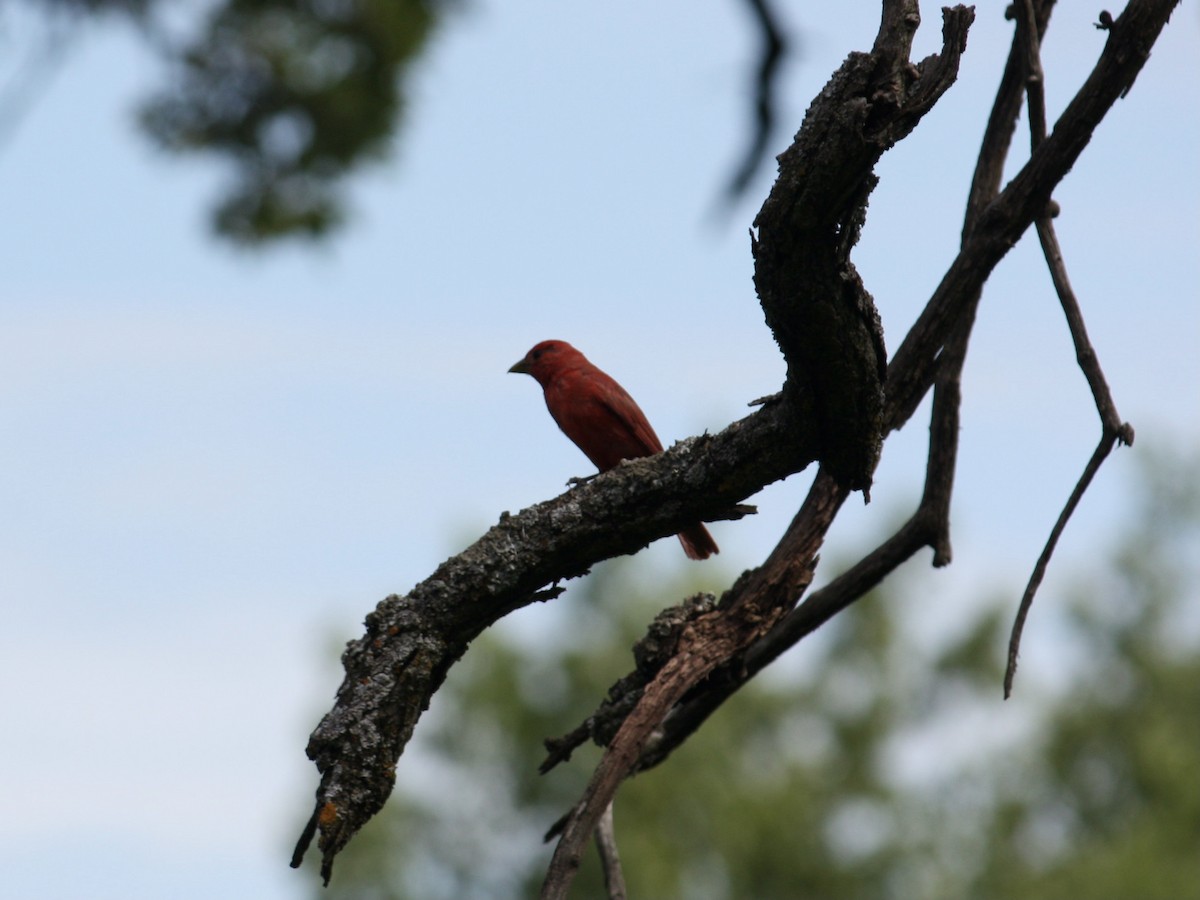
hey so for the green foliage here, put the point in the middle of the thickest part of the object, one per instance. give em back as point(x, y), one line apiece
point(295, 93)
point(884, 770)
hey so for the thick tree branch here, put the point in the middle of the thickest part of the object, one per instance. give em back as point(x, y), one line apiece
point(747, 611)
point(803, 274)
point(940, 362)
point(411, 641)
point(832, 408)
point(815, 303)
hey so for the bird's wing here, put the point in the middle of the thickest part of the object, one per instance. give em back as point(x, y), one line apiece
point(601, 418)
point(629, 418)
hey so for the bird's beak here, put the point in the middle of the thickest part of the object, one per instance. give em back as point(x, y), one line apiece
point(521, 368)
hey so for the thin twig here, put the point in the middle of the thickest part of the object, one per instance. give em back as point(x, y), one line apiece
point(941, 464)
point(1035, 87)
point(1113, 430)
point(766, 78)
point(942, 458)
point(610, 861)
point(1014, 645)
point(1085, 353)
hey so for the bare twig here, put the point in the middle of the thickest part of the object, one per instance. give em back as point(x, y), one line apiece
point(1085, 354)
point(947, 388)
point(924, 527)
point(1113, 430)
point(610, 861)
point(766, 76)
point(1102, 450)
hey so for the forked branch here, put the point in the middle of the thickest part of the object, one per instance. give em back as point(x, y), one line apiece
point(837, 405)
point(1113, 429)
point(909, 377)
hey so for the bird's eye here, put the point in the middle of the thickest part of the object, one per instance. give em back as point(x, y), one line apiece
point(536, 354)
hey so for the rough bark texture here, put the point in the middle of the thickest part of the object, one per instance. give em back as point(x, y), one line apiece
point(815, 303)
point(411, 641)
point(837, 405)
point(926, 356)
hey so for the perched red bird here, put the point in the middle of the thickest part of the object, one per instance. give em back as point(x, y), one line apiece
point(600, 417)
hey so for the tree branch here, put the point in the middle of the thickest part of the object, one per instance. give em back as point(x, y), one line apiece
point(747, 611)
point(774, 50)
point(808, 287)
point(411, 641)
point(940, 362)
point(831, 408)
point(1113, 429)
point(806, 229)
point(1004, 220)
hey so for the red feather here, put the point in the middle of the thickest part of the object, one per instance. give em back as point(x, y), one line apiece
point(600, 417)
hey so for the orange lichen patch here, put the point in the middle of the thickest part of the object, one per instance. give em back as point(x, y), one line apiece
point(329, 814)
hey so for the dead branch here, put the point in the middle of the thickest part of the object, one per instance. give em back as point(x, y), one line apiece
point(610, 860)
point(775, 47)
point(411, 641)
point(832, 408)
point(910, 376)
point(803, 273)
point(747, 611)
point(1113, 429)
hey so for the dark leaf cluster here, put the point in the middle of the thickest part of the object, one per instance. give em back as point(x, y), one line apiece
point(295, 94)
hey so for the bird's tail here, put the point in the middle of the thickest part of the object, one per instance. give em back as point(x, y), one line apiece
point(697, 542)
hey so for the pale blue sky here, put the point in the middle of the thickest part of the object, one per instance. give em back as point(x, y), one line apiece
point(214, 462)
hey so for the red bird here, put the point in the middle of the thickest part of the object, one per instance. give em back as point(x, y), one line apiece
point(600, 417)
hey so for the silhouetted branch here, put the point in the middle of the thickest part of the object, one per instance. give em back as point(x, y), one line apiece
point(411, 641)
point(939, 363)
point(748, 610)
point(832, 408)
point(771, 56)
point(1113, 430)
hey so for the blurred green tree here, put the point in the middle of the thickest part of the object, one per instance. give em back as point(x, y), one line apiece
point(296, 94)
point(299, 94)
